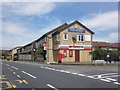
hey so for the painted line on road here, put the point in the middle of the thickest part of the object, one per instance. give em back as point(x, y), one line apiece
point(111, 79)
point(117, 83)
point(74, 73)
point(52, 87)
point(18, 76)
point(14, 72)
point(14, 67)
point(7, 65)
point(81, 74)
point(105, 80)
point(28, 74)
point(11, 70)
point(25, 81)
point(67, 72)
point(106, 74)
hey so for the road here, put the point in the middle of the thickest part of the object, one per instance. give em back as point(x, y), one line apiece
point(39, 76)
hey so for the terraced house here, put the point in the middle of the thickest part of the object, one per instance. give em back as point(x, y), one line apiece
point(66, 43)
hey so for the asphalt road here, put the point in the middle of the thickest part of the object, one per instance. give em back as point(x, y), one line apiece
point(25, 75)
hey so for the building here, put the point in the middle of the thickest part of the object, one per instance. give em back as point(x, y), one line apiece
point(4, 53)
point(26, 52)
point(66, 43)
point(105, 45)
point(13, 55)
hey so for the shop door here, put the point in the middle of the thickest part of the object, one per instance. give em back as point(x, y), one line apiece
point(77, 56)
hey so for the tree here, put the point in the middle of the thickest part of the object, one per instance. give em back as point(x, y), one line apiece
point(40, 50)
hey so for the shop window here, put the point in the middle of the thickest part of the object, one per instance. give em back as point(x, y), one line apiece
point(65, 53)
point(65, 36)
point(70, 53)
point(80, 38)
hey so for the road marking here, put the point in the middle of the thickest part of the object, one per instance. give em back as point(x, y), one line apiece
point(52, 87)
point(105, 74)
point(42, 67)
point(14, 67)
point(11, 70)
point(52, 69)
point(18, 76)
point(28, 74)
point(81, 74)
point(19, 81)
point(14, 72)
point(91, 77)
point(117, 83)
point(66, 71)
point(111, 76)
point(25, 81)
point(62, 71)
point(111, 79)
point(105, 80)
point(7, 65)
point(74, 73)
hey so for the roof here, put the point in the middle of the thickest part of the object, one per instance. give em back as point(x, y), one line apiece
point(105, 44)
point(54, 30)
point(75, 23)
point(58, 29)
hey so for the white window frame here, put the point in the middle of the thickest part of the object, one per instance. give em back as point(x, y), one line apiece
point(66, 36)
point(80, 37)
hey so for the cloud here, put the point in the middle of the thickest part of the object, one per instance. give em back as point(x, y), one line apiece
point(112, 37)
point(102, 21)
point(15, 34)
point(28, 9)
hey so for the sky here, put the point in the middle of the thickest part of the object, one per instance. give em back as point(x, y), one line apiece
point(24, 22)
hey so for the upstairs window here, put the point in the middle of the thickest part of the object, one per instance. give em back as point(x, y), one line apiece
point(80, 38)
point(65, 36)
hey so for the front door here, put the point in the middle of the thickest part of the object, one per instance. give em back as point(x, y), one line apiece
point(77, 58)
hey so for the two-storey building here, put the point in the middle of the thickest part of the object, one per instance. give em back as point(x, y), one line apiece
point(66, 43)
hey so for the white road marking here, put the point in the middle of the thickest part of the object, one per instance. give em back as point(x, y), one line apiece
point(105, 74)
point(52, 87)
point(111, 79)
point(42, 67)
point(18, 76)
point(11, 70)
point(81, 74)
point(62, 71)
point(90, 76)
point(29, 74)
point(111, 76)
point(66, 71)
point(105, 80)
point(117, 83)
point(7, 65)
point(14, 72)
point(14, 67)
point(74, 73)
point(52, 69)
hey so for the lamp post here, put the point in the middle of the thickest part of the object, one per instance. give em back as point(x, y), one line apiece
point(34, 54)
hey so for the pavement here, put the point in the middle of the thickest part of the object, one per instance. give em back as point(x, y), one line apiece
point(36, 76)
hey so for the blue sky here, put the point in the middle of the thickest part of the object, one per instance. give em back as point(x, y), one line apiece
point(24, 22)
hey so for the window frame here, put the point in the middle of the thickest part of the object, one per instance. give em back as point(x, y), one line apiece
point(66, 36)
point(81, 35)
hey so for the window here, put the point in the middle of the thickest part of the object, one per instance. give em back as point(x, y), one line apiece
point(65, 36)
point(80, 38)
point(70, 53)
point(65, 53)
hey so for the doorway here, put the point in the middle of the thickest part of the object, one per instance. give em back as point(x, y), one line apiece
point(77, 56)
